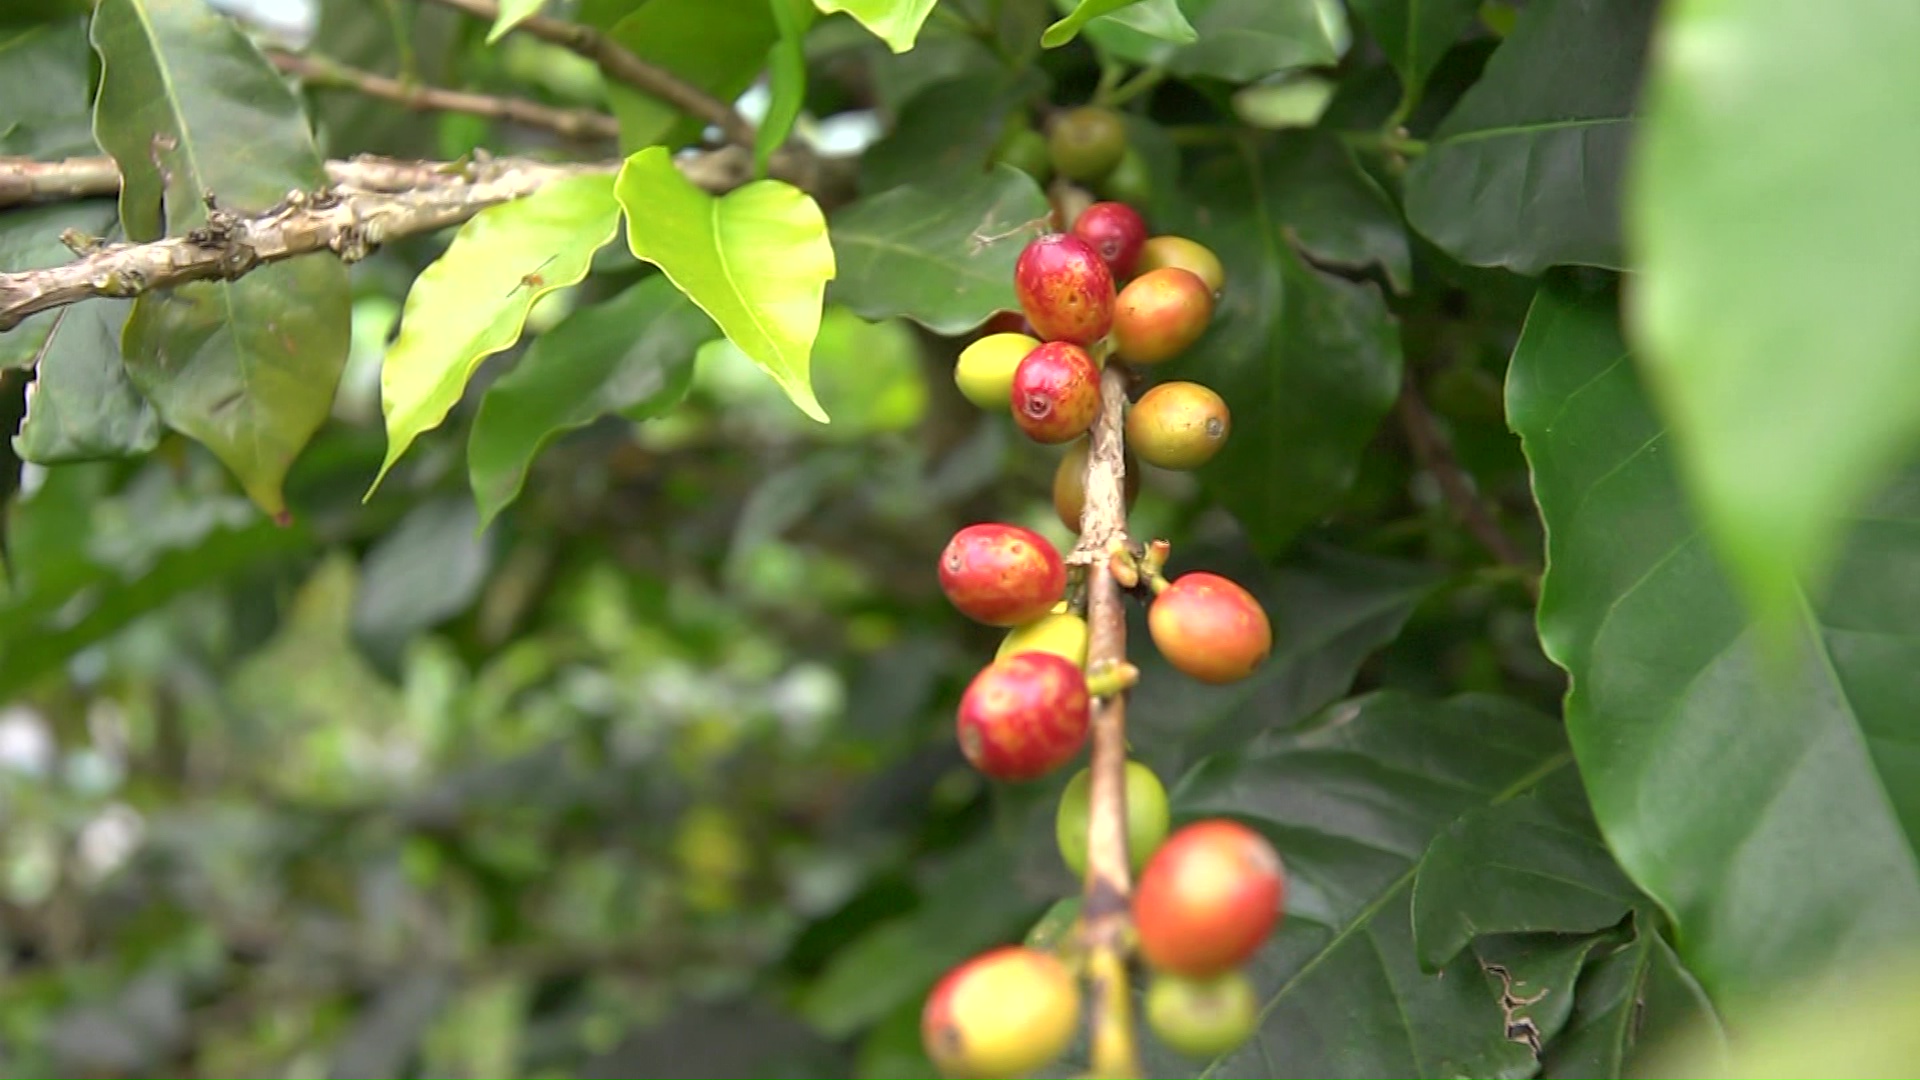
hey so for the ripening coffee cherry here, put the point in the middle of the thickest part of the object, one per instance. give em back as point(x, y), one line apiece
point(1061, 633)
point(1025, 149)
point(1065, 290)
point(1178, 425)
point(1164, 251)
point(1208, 899)
point(1006, 1012)
point(1056, 393)
point(1116, 232)
point(1146, 817)
point(1024, 717)
point(1160, 314)
point(1203, 1018)
point(1210, 628)
point(1070, 483)
point(1002, 575)
point(1087, 142)
point(984, 372)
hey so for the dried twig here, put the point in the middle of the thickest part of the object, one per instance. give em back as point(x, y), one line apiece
point(319, 71)
point(1433, 452)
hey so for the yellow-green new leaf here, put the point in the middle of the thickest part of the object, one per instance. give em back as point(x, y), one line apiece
point(757, 260)
point(512, 14)
point(896, 22)
point(473, 301)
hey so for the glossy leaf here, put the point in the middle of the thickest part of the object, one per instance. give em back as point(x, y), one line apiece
point(512, 14)
point(1415, 34)
point(1310, 362)
point(1525, 172)
point(1773, 220)
point(948, 129)
point(719, 46)
point(1802, 860)
point(896, 22)
point(188, 106)
point(631, 355)
point(1161, 20)
point(1630, 1002)
point(473, 301)
point(1237, 40)
point(81, 406)
point(757, 260)
point(786, 78)
point(940, 254)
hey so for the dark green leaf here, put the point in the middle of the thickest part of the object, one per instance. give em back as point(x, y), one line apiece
point(190, 109)
point(45, 90)
point(416, 42)
point(1525, 172)
point(1630, 1002)
point(786, 78)
point(30, 240)
point(1814, 796)
point(1773, 221)
point(1238, 40)
point(1540, 972)
point(947, 129)
point(1333, 210)
point(1415, 34)
point(718, 45)
point(941, 254)
point(82, 406)
point(427, 570)
point(631, 355)
point(1163, 20)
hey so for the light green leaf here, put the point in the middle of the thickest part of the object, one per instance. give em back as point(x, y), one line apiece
point(1293, 101)
point(81, 406)
point(1236, 40)
point(786, 79)
point(631, 355)
point(1162, 20)
point(189, 108)
point(1415, 34)
point(512, 14)
point(473, 301)
point(941, 255)
point(719, 46)
point(1773, 217)
point(896, 22)
point(756, 259)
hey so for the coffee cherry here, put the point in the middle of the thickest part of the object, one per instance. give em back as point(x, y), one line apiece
point(1025, 149)
point(1203, 1018)
point(1208, 899)
point(1062, 633)
point(1130, 182)
point(1002, 575)
point(1056, 393)
point(1065, 290)
point(1146, 817)
point(1210, 628)
point(1070, 483)
point(1164, 251)
point(1160, 314)
point(1116, 232)
point(1024, 717)
point(1178, 425)
point(1006, 1012)
point(1087, 142)
point(984, 372)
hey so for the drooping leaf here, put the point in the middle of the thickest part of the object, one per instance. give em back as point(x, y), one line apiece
point(473, 301)
point(1627, 1004)
point(757, 260)
point(1525, 172)
point(1237, 40)
point(1814, 796)
point(1415, 34)
point(189, 109)
point(512, 14)
point(631, 355)
point(1162, 20)
point(719, 46)
point(948, 129)
point(896, 22)
point(81, 406)
point(1772, 219)
point(941, 254)
point(786, 78)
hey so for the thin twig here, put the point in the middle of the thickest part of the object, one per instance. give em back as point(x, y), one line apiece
point(24, 180)
point(320, 71)
point(1433, 452)
point(623, 66)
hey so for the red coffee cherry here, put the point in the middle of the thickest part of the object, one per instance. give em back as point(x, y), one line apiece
point(1065, 290)
point(1025, 716)
point(1210, 628)
point(1056, 393)
point(1002, 575)
point(1006, 1012)
point(1178, 425)
point(1160, 314)
point(1116, 232)
point(1208, 899)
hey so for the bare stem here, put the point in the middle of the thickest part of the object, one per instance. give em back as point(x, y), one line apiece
point(580, 124)
point(24, 180)
point(1433, 452)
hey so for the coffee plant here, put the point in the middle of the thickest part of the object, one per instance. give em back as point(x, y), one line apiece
point(972, 538)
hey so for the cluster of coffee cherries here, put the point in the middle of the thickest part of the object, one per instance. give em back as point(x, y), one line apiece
point(1209, 895)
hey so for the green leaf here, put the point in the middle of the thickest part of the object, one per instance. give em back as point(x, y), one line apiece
point(426, 570)
point(949, 128)
point(757, 260)
point(1415, 34)
point(1525, 172)
point(422, 43)
point(1310, 362)
point(942, 254)
point(631, 355)
point(719, 46)
point(1162, 20)
point(30, 240)
point(1815, 797)
point(473, 301)
point(1627, 1003)
point(189, 108)
point(82, 406)
point(512, 14)
point(1775, 312)
point(45, 90)
point(786, 79)
point(1237, 40)
point(896, 22)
